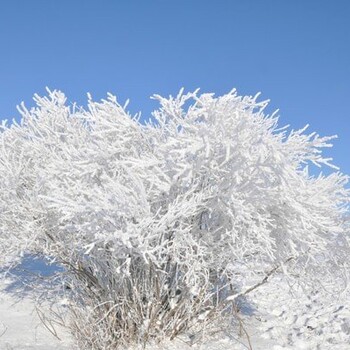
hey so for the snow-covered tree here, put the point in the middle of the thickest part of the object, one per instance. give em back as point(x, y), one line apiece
point(161, 226)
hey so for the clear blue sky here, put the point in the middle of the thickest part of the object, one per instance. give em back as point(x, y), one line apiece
point(297, 53)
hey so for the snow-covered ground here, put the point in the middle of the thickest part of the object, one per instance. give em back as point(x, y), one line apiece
point(21, 327)
point(272, 318)
point(298, 320)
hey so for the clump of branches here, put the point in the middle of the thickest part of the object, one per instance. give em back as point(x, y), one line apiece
point(161, 225)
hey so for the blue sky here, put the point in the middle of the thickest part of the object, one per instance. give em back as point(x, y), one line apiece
point(297, 53)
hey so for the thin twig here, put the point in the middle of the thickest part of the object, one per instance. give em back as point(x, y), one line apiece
point(263, 281)
point(45, 322)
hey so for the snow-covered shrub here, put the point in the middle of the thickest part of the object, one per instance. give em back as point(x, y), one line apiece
point(161, 226)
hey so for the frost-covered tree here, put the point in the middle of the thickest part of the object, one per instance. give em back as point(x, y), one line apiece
point(160, 226)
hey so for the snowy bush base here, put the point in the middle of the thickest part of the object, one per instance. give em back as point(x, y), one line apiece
point(273, 318)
